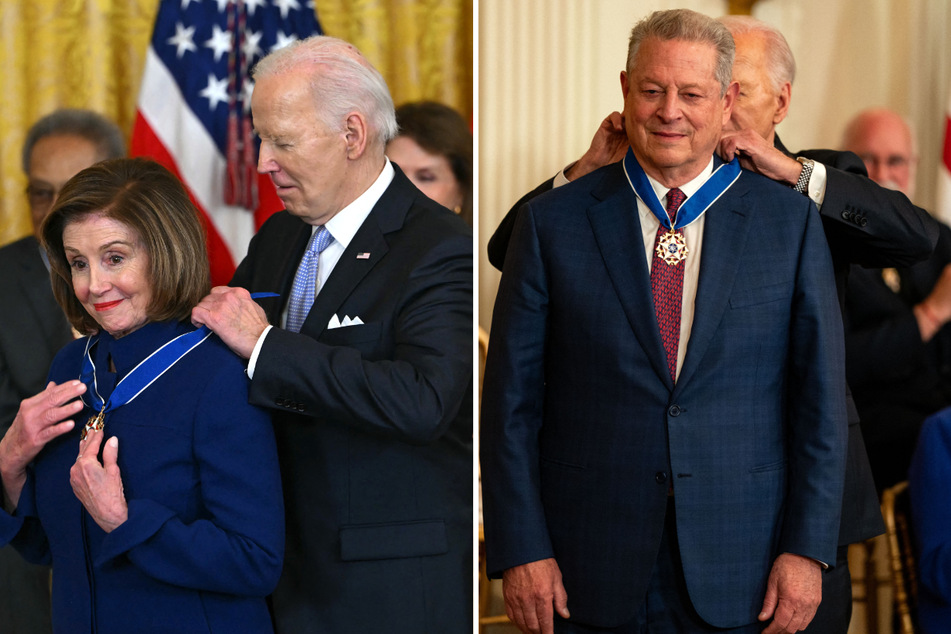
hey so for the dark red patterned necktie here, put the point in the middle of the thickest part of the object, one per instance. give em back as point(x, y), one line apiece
point(667, 287)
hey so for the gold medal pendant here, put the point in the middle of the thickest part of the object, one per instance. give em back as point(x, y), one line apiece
point(671, 248)
point(95, 423)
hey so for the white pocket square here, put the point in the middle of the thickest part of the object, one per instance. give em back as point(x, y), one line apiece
point(336, 322)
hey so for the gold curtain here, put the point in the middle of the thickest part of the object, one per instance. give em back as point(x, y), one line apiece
point(90, 54)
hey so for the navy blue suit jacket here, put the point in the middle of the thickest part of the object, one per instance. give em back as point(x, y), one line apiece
point(583, 432)
point(203, 543)
point(373, 422)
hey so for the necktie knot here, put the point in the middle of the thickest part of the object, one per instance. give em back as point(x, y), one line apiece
point(675, 198)
point(320, 240)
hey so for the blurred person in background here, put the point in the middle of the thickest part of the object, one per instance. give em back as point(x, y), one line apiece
point(434, 149)
point(898, 348)
point(56, 148)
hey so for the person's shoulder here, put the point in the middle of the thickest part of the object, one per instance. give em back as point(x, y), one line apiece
point(18, 248)
point(587, 190)
point(420, 220)
point(837, 159)
point(938, 425)
point(218, 356)
point(757, 188)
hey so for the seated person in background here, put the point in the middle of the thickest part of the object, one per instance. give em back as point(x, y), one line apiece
point(928, 480)
point(182, 529)
point(898, 352)
point(434, 149)
point(34, 328)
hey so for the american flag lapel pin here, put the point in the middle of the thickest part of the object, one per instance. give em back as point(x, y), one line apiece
point(363, 256)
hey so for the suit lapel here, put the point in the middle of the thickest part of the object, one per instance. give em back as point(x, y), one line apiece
point(617, 230)
point(364, 252)
point(725, 232)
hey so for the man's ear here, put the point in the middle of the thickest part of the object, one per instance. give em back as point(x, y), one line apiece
point(783, 100)
point(357, 135)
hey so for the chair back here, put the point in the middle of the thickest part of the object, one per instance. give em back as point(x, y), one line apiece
point(903, 557)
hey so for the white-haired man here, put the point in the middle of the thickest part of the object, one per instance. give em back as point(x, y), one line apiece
point(371, 382)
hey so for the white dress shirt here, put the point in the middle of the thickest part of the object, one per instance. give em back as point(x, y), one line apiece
point(343, 226)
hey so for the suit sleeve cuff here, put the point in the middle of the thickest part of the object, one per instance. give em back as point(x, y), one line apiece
point(252, 362)
point(817, 184)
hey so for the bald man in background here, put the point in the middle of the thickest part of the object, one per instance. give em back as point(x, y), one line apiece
point(897, 340)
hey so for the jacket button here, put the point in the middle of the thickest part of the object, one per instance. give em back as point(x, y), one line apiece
point(674, 410)
point(279, 402)
point(846, 215)
point(300, 407)
point(660, 477)
point(863, 221)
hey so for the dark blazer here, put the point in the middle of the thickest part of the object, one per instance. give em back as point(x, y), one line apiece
point(864, 224)
point(869, 225)
point(579, 412)
point(32, 326)
point(374, 422)
point(897, 379)
point(202, 546)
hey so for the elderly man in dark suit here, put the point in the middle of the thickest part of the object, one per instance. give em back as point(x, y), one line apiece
point(664, 449)
point(371, 382)
point(864, 224)
point(34, 328)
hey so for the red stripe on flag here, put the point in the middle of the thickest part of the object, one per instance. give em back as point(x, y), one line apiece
point(144, 142)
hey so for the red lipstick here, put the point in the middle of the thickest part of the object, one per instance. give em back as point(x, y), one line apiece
point(106, 305)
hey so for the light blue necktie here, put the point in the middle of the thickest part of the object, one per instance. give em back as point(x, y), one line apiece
point(305, 282)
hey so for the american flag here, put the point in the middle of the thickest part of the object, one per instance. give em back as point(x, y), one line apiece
point(193, 112)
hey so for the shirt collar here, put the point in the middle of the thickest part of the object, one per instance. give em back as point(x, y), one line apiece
point(689, 189)
point(345, 223)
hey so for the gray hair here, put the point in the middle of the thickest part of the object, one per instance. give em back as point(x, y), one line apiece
point(684, 24)
point(346, 83)
point(92, 126)
point(780, 63)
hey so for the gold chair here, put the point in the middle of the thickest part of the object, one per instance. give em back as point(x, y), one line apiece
point(902, 556)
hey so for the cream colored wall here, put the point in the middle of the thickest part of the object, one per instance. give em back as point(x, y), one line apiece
point(549, 73)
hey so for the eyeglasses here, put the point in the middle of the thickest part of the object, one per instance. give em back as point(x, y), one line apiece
point(892, 161)
point(40, 196)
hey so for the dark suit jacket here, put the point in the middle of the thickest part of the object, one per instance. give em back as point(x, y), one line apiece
point(583, 433)
point(32, 326)
point(897, 379)
point(373, 422)
point(864, 224)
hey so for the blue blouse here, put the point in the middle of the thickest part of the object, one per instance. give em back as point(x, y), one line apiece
point(204, 540)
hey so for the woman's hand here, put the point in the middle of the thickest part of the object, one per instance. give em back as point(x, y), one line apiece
point(99, 485)
point(39, 420)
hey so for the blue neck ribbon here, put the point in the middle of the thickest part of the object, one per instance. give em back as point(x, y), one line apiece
point(721, 180)
point(147, 371)
point(142, 375)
